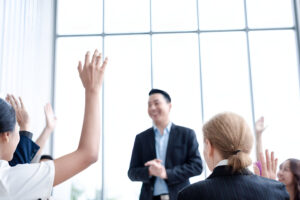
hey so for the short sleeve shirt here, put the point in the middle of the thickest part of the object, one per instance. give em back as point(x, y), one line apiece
point(26, 181)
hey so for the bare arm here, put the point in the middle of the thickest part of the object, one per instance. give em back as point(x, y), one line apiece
point(50, 125)
point(259, 128)
point(91, 75)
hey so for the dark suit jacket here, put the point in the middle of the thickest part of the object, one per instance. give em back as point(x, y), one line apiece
point(182, 160)
point(25, 150)
point(222, 184)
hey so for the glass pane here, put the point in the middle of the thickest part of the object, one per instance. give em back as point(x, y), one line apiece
point(127, 16)
point(77, 16)
point(174, 15)
point(225, 74)
point(219, 14)
point(127, 83)
point(69, 107)
point(269, 13)
point(176, 70)
point(276, 90)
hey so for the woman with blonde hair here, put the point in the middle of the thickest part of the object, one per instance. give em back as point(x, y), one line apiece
point(227, 145)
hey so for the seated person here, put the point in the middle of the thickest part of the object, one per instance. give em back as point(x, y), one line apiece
point(33, 181)
point(227, 144)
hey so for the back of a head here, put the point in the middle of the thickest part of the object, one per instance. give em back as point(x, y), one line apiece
point(231, 136)
point(7, 117)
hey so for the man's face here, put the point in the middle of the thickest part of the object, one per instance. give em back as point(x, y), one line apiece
point(158, 108)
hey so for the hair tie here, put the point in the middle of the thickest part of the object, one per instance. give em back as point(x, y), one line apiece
point(236, 152)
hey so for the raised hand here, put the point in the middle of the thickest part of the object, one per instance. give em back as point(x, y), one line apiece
point(50, 117)
point(92, 73)
point(268, 166)
point(260, 126)
point(21, 113)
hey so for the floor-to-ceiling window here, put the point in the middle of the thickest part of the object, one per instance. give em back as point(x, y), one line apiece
point(211, 56)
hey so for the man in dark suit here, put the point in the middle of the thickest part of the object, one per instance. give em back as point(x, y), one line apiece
point(222, 184)
point(164, 156)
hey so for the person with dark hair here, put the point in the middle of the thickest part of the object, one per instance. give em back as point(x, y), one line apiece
point(33, 181)
point(164, 156)
point(289, 170)
point(289, 174)
point(26, 149)
point(227, 145)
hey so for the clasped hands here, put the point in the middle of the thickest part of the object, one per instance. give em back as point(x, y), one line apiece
point(156, 168)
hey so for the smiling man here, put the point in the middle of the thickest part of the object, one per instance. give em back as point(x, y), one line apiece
point(164, 156)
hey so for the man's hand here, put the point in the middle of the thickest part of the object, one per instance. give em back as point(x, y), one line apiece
point(50, 117)
point(268, 165)
point(156, 168)
point(21, 113)
point(92, 73)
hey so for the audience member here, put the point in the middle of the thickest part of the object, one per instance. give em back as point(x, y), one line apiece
point(33, 181)
point(227, 144)
point(164, 156)
point(26, 148)
point(289, 170)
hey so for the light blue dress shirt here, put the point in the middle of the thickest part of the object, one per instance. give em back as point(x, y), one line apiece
point(161, 144)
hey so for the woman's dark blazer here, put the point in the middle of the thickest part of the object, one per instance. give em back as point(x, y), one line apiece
point(222, 184)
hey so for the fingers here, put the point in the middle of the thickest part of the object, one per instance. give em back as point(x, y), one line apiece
point(95, 57)
point(79, 67)
point(104, 63)
point(87, 59)
point(276, 163)
point(256, 169)
point(21, 102)
point(263, 164)
point(153, 162)
point(272, 160)
point(268, 160)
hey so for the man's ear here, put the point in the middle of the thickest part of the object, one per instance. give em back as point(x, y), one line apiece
point(4, 137)
point(170, 106)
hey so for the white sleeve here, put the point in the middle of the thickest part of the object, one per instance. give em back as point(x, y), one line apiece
point(27, 181)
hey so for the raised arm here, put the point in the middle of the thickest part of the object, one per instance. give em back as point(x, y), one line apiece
point(268, 165)
point(91, 75)
point(259, 129)
point(26, 148)
point(50, 125)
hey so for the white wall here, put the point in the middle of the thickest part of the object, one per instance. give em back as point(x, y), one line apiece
point(26, 55)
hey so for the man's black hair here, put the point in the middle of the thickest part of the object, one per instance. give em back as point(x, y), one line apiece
point(158, 91)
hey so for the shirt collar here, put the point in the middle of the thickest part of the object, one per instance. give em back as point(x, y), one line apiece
point(222, 162)
point(168, 128)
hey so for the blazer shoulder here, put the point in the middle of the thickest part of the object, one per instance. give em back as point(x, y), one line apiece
point(145, 133)
point(182, 128)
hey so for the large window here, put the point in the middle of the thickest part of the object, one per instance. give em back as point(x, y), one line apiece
point(211, 56)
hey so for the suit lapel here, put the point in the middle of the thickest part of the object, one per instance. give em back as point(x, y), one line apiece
point(172, 137)
point(151, 140)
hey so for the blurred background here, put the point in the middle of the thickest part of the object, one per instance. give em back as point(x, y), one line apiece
point(211, 56)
